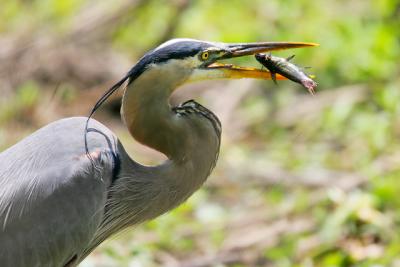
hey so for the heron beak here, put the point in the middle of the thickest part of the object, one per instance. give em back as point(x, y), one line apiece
point(245, 49)
point(238, 50)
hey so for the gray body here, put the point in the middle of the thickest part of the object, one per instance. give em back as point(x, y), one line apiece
point(61, 201)
point(49, 193)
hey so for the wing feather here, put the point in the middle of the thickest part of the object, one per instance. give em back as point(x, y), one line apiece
point(51, 198)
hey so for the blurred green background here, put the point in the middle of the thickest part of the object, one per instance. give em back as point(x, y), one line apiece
point(301, 180)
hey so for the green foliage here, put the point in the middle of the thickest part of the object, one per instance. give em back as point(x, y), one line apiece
point(21, 104)
point(359, 46)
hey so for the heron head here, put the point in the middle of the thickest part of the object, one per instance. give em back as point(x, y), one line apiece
point(179, 61)
point(187, 60)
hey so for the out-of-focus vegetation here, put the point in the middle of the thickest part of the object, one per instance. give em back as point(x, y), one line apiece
point(301, 180)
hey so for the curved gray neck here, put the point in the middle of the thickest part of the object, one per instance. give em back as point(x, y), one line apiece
point(148, 115)
point(191, 143)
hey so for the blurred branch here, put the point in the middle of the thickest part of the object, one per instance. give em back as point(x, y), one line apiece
point(310, 107)
point(180, 7)
point(309, 178)
point(99, 20)
point(46, 58)
point(259, 237)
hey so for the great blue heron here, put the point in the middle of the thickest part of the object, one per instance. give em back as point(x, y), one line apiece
point(58, 203)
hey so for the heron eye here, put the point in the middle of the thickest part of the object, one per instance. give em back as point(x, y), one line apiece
point(204, 56)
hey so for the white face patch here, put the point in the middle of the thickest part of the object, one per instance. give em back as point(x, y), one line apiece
point(176, 69)
point(184, 69)
point(167, 75)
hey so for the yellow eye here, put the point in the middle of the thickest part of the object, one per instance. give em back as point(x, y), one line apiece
point(204, 56)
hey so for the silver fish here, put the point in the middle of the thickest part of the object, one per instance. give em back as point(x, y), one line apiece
point(289, 70)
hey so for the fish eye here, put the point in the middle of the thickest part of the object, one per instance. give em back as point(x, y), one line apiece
point(204, 56)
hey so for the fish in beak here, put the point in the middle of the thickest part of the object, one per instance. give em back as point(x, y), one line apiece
point(287, 69)
point(250, 49)
point(226, 51)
